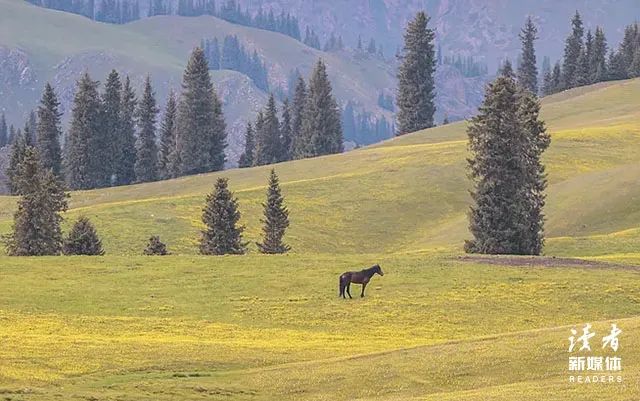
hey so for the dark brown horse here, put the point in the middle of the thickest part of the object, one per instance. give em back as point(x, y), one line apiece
point(361, 277)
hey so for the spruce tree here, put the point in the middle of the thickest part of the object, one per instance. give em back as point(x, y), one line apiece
point(4, 133)
point(155, 247)
point(598, 62)
point(146, 149)
point(299, 143)
point(286, 136)
point(125, 144)
point(81, 152)
point(416, 88)
point(572, 54)
point(247, 157)
point(498, 219)
point(527, 70)
point(276, 219)
point(268, 136)
point(18, 151)
point(220, 215)
point(36, 225)
point(201, 133)
point(48, 132)
point(321, 119)
point(82, 239)
point(536, 141)
point(111, 127)
point(166, 168)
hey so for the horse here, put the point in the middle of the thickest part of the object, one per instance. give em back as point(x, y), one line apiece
point(361, 277)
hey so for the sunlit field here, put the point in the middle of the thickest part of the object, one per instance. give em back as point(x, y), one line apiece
point(436, 326)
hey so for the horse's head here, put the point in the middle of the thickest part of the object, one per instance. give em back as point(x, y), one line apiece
point(378, 269)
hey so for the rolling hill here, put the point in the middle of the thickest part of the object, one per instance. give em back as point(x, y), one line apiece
point(437, 326)
point(161, 45)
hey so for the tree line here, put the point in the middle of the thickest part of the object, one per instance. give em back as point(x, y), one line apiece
point(113, 137)
point(36, 229)
point(588, 60)
point(307, 126)
point(364, 128)
point(235, 57)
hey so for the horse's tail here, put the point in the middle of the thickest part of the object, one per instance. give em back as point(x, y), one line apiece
point(341, 285)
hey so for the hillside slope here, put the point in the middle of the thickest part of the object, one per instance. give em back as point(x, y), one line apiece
point(409, 193)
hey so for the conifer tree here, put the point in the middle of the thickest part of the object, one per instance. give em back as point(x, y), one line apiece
point(527, 70)
point(81, 154)
point(156, 247)
point(201, 133)
point(13, 134)
point(17, 156)
point(503, 167)
point(36, 225)
point(83, 239)
point(598, 62)
point(111, 127)
point(276, 219)
point(166, 168)
point(4, 133)
point(268, 137)
point(321, 124)
point(48, 131)
point(286, 136)
point(30, 128)
point(416, 88)
point(125, 144)
point(571, 74)
point(536, 141)
point(146, 150)
point(222, 235)
point(247, 157)
point(299, 143)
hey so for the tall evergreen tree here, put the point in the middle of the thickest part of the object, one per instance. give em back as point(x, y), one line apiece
point(30, 128)
point(527, 70)
point(201, 134)
point(321, 119)
point(286, 136)
point(111, 127)
point(247, 157)
point(146, 149)
point(19, 148)
point(276, 219)
point(299, 143)
point(268, 137)
point(48, 131)
point(125, 144)
point(36, 224)
point(166, 168)
point(536, 141)
point(416, 87)
point(4, 133)
point(573, 49)
point(598, 62)
point(222, 235)
point(81, 159)
point(83, 239)
point(506, 140)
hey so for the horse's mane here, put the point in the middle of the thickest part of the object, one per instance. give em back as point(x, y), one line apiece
point(372, 268)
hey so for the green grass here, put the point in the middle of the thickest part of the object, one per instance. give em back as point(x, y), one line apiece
point(258, 327)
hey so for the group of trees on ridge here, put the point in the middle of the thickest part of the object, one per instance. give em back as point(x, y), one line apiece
point(36, 229)
point(309, 124)
point(586, 60)
point(233, 56)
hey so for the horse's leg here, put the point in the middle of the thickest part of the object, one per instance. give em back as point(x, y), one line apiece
point(341, 284)
point(349, 289)
point(364, 285)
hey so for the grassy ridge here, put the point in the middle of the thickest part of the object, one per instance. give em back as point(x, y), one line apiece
point(405, 194)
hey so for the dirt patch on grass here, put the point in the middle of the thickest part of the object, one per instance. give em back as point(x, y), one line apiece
point(542, 261)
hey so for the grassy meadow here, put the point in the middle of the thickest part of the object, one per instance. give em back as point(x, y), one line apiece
point(437, 326)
